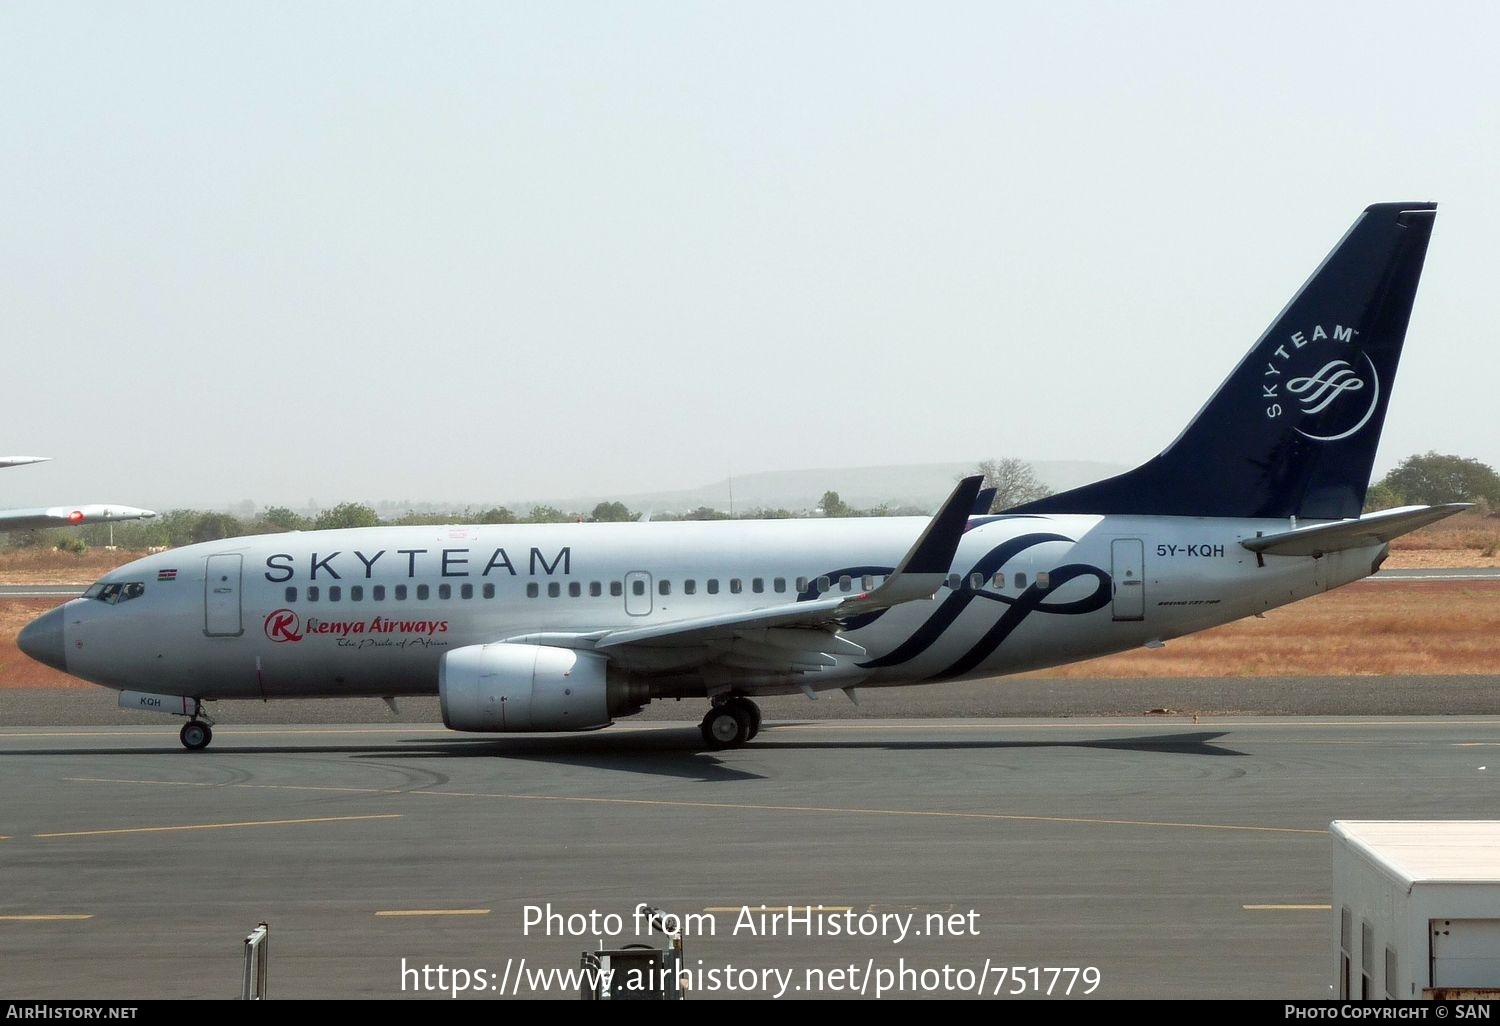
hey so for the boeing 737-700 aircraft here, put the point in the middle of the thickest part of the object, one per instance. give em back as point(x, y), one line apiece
point(567, 627)
point(62, 516)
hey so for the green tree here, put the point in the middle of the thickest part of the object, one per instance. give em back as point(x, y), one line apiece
point(347, 514)
point(1436, 478)
point(611, 513)
point(497, 515)
point(1014, 482)
point(706, 513)
point(418, 518)
point(215, 527)
point(1382, 496)
point(279, 518)
point(833, 506)
point(546, 515)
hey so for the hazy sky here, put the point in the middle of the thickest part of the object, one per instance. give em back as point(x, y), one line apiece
point(502, 251)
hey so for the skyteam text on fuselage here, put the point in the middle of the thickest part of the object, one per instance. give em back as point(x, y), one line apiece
point(567, 627)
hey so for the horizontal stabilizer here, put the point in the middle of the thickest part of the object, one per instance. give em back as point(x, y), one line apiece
point(1372, 529)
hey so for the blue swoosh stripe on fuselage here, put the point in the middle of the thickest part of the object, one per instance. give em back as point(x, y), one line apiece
point(954, 605)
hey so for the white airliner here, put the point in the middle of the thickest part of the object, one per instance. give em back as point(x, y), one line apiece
point(567, 627)
point(62, 516)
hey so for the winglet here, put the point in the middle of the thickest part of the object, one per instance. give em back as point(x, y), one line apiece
point(925, 566)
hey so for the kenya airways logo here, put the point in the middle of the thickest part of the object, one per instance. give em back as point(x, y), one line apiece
point(1321, 376)
point(283, 625)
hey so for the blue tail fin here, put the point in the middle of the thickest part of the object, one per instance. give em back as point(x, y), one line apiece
point(1293, 430)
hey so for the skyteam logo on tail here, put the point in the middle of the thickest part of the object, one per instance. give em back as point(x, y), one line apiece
point(1319, 377)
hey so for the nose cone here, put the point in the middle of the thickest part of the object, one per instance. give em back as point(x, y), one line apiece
point(42, 639)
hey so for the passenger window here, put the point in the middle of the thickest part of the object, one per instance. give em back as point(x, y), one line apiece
point(824, 584)
point(758, 585)
point(734, 586)
point(868, 583)
point(690, 587)
point(713, 585)
point(1043, 579)
point(955, 582)
point(779, 585)
point(999, 579)
point(378, 593)
point(976, 581)
point(422, 592)
point(356, 593)
point(616, 589)
point(312, 593)
point(291, 594)
point(1020, 580)
point(802, 584)
point(335, 593)
point(846, 583)
point(638, 587)
point(445, 591)
point(575, 589)
point(532, 591)
point(400, 593)
point(554, 589)
point(466, 591)
point(595, 589)
point(664, 587)
point(489, 590)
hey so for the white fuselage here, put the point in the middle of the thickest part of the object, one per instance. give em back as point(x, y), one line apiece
point(371, 611)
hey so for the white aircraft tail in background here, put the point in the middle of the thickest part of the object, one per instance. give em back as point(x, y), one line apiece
point(63, 516)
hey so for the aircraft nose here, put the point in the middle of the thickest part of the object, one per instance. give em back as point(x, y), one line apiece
point(42, 639)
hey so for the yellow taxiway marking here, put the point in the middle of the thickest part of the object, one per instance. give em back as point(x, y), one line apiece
point(42, 919)
point(1287, 908)
point(214, 826)
point(736, 909)
point(737, 807)
point(435, 912)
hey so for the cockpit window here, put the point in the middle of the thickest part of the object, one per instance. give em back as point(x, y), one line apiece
point(115, 592)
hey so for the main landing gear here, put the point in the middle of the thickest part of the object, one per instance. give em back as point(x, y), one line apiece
point(730, 723)
point(198, 731)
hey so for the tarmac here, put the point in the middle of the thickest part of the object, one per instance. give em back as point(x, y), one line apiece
point(1141, 856)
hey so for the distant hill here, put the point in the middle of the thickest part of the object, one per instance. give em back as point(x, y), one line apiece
point(920, 485)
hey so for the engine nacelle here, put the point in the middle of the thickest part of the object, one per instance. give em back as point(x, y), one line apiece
point(512, 688)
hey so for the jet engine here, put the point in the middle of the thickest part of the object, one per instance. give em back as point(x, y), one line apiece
point(512, 688)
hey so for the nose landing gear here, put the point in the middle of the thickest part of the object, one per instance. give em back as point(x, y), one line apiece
point(731, 723)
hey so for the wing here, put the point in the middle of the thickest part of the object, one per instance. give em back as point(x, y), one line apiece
point(69, 516)
point(777, 645)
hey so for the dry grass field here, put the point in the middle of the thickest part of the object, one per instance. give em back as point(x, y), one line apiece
point(1369, 628)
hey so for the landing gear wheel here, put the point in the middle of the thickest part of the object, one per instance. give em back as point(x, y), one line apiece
point(751, 710)
point(725, 726)
point(196, 735)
